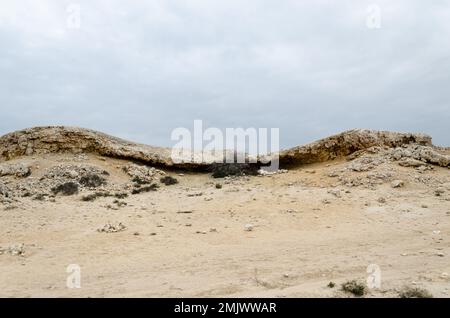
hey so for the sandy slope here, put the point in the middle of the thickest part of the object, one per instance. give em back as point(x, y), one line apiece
point(310, 227)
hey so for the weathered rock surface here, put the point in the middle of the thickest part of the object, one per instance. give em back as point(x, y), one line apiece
point(142, 174)
point(42, 140)
point(348, 142)
point(409, 156)
point(4, 190)
point(17, 170)
point(57, 179)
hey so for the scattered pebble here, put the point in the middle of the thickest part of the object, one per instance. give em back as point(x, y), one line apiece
point(14, 250)
point(248, 227)
point(397, 183)
point(112, 228)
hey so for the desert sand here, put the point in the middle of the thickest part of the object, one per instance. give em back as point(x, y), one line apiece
point(135, 233)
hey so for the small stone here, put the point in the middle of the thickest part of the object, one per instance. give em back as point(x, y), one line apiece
point(397, 183)
point(198, 194)
point(112, 228)
point(72, 174)
point(15, 250)
point(440, 254)
point(409, 162)
point(335, 192)
point(438, 192)
point(248, 227)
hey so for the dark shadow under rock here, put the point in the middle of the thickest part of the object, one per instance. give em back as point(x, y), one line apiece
point(222, 170)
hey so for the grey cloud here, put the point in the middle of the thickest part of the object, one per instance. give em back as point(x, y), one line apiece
point(311, 68)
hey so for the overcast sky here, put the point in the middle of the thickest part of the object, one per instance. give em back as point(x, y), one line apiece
point(311, 68)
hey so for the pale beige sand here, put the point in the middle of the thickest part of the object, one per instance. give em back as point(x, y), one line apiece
point(303, 237)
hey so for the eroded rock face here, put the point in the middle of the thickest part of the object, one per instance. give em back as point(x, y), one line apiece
point(349, 142)
point(414, 155)
point(377, 165)
point(43, 140)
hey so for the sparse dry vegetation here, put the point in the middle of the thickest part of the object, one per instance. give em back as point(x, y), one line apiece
point(414, 292)
point(354, 287)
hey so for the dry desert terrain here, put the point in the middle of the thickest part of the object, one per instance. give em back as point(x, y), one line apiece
point(138, 230)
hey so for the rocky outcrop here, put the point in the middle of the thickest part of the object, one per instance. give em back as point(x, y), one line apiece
point(416, 155)
point(19, 170)
point(349, 142)
point(43, 140)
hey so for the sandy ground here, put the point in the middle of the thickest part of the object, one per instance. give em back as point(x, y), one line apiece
point(190, 239)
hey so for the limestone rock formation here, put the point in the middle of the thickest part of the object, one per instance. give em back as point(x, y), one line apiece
point(348, 142)
point(42, 140)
